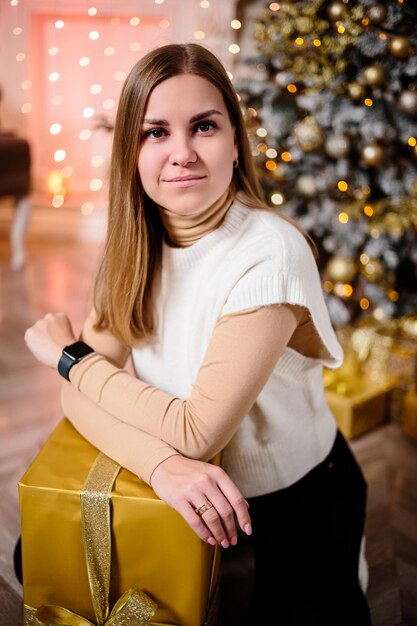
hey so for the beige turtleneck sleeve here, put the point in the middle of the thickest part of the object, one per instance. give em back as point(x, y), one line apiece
point(140, 426)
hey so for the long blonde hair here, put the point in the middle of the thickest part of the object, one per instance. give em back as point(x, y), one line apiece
point(122, 295)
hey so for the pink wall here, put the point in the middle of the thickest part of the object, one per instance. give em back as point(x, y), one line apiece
point(63, 101)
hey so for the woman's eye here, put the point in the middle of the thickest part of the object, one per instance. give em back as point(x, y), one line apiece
point(205, 127)
point(155, 133)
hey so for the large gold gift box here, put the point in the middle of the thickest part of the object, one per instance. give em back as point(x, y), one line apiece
point(152, 547)
point(358, 404)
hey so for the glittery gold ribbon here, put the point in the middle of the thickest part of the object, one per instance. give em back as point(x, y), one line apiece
point(134, 608)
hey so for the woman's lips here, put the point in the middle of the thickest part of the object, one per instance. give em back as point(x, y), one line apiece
point(184, 181)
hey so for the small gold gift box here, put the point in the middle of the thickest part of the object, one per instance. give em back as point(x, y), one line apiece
point(358, 404)
point(408, 419)
point(152, 547)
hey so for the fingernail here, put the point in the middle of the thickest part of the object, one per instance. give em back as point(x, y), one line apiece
point(211, 541)
point(225, 543)
point(248, 529)
point(233, 541)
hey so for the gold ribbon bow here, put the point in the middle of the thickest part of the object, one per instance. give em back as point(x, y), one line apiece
point(134, 607)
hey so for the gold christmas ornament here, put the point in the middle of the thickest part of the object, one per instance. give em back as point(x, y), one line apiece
point(336, 11)
point(374, 270)
point(308, 134)
point(341, 269)
point(372, 154)
point(407, 102)
point(400, 47)
point(337, 145)
point(374, 75)
point(377, 13)
point(356, 91)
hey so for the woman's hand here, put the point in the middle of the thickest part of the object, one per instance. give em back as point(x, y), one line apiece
point(186, 485)
point(47, 338)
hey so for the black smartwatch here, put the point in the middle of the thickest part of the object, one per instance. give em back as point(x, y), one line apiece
point(71, 355)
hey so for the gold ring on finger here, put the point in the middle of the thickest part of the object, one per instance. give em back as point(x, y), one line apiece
point(203, 508)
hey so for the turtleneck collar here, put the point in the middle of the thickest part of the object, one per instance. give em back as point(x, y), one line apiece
point(184, 230)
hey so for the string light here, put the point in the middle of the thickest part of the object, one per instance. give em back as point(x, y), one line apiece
point(85, 134)
point(368, 210)
point(96, 184)
point(53, 77)
point(199, 34)
point(108, 105)
point(88, 112)
point(261, 132)
point(134, 21)
point(234, 48)
point(342, 185)
point(59, 155)
point(368, 102)
point(87, 208)
point(412, 141)
point(364, 303)
point(55, 129)
point(236, 24)
point(93, 35)
point(59, 24)
point(204, 4)
point(164, 24)
point(57, 201)
point(286, 156)
point(109, 51)
point(343, 217)
point(97, 160)
point(277, 199)
point(92, 11)
point(96, 88)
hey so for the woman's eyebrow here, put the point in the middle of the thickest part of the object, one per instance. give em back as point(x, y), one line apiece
point(195, 118)
point(203, 114)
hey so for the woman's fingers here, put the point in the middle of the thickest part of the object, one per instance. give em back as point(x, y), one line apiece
point(205, 496)
point(217, 515)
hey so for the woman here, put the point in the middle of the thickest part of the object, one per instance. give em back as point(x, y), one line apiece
point(218, 301)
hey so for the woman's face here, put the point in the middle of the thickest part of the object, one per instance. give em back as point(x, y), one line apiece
point(188, 146)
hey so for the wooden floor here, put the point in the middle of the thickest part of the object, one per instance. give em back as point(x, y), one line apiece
point(58, 276)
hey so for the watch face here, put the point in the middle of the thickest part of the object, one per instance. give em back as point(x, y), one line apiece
point(77, 350)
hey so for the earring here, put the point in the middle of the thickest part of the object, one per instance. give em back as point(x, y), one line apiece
point(235, 163)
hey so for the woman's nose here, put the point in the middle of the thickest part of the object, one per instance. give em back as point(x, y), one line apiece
point(182, 152)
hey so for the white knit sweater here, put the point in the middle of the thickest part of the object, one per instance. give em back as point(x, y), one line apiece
point(254, 258)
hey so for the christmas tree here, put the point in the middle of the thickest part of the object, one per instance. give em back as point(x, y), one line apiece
point(331, 107)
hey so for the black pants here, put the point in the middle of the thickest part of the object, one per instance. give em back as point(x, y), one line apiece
point(305, 551)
